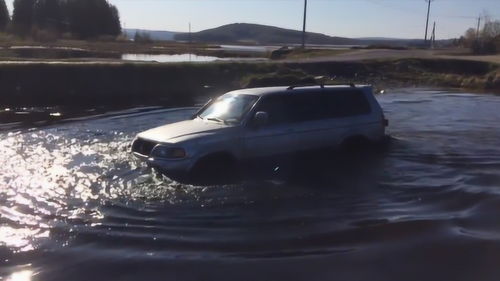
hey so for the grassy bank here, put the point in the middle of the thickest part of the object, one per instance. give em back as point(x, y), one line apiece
point(40, 84)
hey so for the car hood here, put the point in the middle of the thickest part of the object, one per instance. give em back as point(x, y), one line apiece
point(182, 130)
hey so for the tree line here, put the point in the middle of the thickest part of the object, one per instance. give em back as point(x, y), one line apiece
point(81, 18)
point(486, 41)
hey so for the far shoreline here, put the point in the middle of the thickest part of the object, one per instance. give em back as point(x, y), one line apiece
point(96, 83)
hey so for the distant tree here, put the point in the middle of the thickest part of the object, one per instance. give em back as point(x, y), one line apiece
point(22, 18)
point(491, 29)
point(113, 25)
point(470, 34)
point(487, 41)
point(48, 14)
point(82, 18)
point(4, 15)
point(142, 37)
point(92, 18)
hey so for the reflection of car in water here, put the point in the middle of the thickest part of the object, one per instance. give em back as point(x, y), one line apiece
point(259, 123)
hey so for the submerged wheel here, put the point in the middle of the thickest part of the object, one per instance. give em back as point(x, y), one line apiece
point(215, 169)
point(356, 144)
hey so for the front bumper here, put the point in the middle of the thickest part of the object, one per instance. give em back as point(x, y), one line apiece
point(174, 168)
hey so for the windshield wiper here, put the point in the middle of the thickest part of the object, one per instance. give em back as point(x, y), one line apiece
point(216, 120)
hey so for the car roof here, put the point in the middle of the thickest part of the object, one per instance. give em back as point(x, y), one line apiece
point(265, 91)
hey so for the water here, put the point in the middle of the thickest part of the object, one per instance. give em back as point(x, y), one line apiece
point(74, 205)
point(169, 58)
point(181, 58)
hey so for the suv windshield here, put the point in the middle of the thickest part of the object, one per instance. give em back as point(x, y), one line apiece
point(229, 108)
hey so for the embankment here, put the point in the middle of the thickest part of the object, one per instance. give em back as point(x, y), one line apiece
point(40, 84)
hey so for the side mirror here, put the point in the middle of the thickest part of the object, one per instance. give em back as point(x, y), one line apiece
point(260, 119)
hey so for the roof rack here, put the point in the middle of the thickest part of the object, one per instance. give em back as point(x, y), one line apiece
point(322, 86)
point(305, 85)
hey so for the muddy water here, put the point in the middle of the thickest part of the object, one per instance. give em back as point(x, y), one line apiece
point(74, 205)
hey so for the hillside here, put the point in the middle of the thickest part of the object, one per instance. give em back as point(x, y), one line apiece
point(245, 33)
point(261, 34)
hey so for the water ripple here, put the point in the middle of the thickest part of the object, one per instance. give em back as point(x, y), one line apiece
point(74, 204)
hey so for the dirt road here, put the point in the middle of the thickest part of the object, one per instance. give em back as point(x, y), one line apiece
point(373, 54)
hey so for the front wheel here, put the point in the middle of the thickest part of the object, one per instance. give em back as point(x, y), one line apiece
point(215, 169)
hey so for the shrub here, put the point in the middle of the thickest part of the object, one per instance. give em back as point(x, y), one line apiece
point(44, 35)
point(142, 37)
point(484, 47)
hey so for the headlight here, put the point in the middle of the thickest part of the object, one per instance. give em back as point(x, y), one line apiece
point(168, 152)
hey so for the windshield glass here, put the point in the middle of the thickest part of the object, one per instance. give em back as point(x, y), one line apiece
point(229, 108)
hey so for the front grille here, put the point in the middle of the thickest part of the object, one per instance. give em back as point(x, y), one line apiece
point(143, 147)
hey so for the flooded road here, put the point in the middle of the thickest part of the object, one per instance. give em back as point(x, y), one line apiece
point(75, 205)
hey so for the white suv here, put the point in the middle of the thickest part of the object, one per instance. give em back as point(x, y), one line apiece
point(260, 123)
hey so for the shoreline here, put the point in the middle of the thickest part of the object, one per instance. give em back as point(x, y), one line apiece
point(56, 83)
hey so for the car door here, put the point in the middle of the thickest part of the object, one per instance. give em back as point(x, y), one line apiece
point(349, 112)
point(313, 128)
point(275, 138)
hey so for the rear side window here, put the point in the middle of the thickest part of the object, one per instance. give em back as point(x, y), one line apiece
point(325, 105)
point(314, 106)
point(346, 103)
point(309, 106)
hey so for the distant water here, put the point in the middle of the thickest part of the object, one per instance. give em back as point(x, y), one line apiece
point(75, 205)
point(168, 58)
point(181, 58)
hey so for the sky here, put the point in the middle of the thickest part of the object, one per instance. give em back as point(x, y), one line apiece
point(346, 18)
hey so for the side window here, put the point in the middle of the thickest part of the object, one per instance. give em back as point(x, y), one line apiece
point(347, 103)
point(309, 107)
point(277, 107)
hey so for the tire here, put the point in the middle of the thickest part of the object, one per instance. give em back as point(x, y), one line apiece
point(215, 169)
point(356, 144)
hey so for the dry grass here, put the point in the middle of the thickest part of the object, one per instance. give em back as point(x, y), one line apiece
point(117, 47)
point(313, 53)
point(102, 83)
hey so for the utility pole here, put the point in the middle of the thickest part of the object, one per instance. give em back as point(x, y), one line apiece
point(190, 41)
point(433, 38)
point(190, 38)
point(304, 26)
point(478, 26)
point(427, 23)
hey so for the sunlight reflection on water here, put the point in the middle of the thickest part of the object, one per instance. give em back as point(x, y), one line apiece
point(52, 175)
point(24, 275)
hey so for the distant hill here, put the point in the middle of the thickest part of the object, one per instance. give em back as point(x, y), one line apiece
point(384, 39)
point(261, 34)
point(157, 35)
point(245, 33)
point(399, 42)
